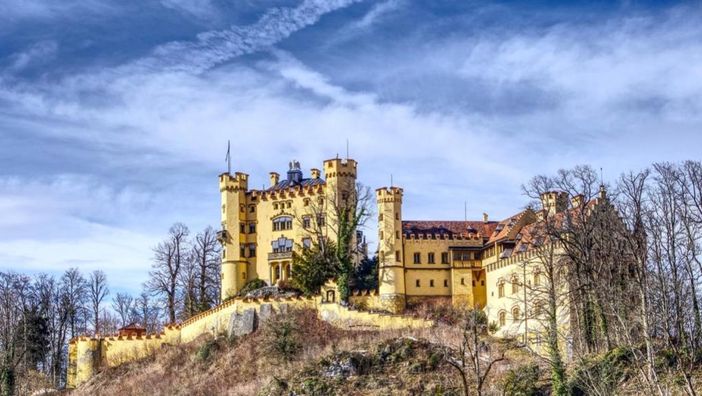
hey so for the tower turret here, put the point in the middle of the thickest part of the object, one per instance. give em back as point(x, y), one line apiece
point(391, 271)
point(234, 266)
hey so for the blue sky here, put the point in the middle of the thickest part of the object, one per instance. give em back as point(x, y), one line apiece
point(114, 116)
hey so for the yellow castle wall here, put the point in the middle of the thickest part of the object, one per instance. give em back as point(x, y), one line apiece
point(241, 206)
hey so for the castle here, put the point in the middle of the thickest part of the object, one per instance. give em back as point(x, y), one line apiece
point(261, 228)
point(481, 264)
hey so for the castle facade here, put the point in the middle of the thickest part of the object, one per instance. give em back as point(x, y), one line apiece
point(261, 228)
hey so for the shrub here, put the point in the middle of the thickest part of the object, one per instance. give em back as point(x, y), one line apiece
point(602, 374)
point(522, 380)
point(206, 349)
point(493, 327)
point(251, 286)
point(282, 337)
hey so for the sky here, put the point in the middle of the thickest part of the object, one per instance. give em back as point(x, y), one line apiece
point(115, 115)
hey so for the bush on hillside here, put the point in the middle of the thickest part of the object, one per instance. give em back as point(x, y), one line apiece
point(602, 374)
point(522, 381)
point(282, 337)
point(251, 286)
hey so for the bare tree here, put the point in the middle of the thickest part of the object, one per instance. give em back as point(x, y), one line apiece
point(475, 357)
point(207, 259)
point(98, 291)
point(75, 288)
point(147, 312)
point(123, 305)
point(545, 300)
point(169, 258)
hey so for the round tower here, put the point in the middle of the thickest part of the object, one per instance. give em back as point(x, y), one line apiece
point(391, 271)
point(233, 190)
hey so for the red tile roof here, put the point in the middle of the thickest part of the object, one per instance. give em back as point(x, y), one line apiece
point(484, 229)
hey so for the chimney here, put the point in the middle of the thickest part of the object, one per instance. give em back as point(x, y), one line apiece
point(275, 177)
point(485, 217)
point(315, 173)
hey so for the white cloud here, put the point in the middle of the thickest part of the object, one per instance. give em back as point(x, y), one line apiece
point(39, 53)
point(202, 9)
point(174, 102)
point(15, 10)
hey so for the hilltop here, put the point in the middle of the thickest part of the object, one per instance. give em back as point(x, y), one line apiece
point(297, 354)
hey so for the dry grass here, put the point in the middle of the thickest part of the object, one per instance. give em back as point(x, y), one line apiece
point(247, 366)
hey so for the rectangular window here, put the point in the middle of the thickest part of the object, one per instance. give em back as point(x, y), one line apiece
point(242, 251)
point(430, 258)
point(382, 235)
point(224, 253)
point(444, 258)
point(417, 283)
point(320, 220)
point(397, 216)
point(417, 258)
point(252, 228)
point(252, 250)
point(463, 281)
point(398, 257)
point(380, 217)
point(307, 243)
point(431, 283)
point(445, 283)
point(306, 222)
point(242, 228)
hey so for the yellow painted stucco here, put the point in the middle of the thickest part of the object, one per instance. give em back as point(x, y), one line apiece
point(248, 217)
point(467, 263)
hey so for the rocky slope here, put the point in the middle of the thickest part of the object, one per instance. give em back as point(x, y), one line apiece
point(296, 354)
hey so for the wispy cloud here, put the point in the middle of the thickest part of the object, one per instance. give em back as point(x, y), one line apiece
point(215, 47)
point(454, 114)
point(16, 10)
point(39, 53)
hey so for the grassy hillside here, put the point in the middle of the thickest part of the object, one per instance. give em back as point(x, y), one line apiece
point(299, 354)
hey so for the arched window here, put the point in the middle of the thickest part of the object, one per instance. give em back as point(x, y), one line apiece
point(282, 223)
point(515, 285)
point(502, 318)
point(515, 313)
point(501, 288)
point(537, 278)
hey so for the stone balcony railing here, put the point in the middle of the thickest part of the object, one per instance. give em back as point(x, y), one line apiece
point(280, 256)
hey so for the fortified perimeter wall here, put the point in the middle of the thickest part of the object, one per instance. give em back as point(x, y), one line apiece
point(87, 356)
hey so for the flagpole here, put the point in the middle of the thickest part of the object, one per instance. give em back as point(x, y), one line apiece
point(229, 158)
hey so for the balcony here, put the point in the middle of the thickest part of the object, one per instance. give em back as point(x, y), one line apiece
point(280, 256)
point(222, 236)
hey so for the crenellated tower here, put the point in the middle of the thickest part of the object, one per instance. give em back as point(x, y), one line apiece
point(391, 271)
point(340, 176)
point(234, 266)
